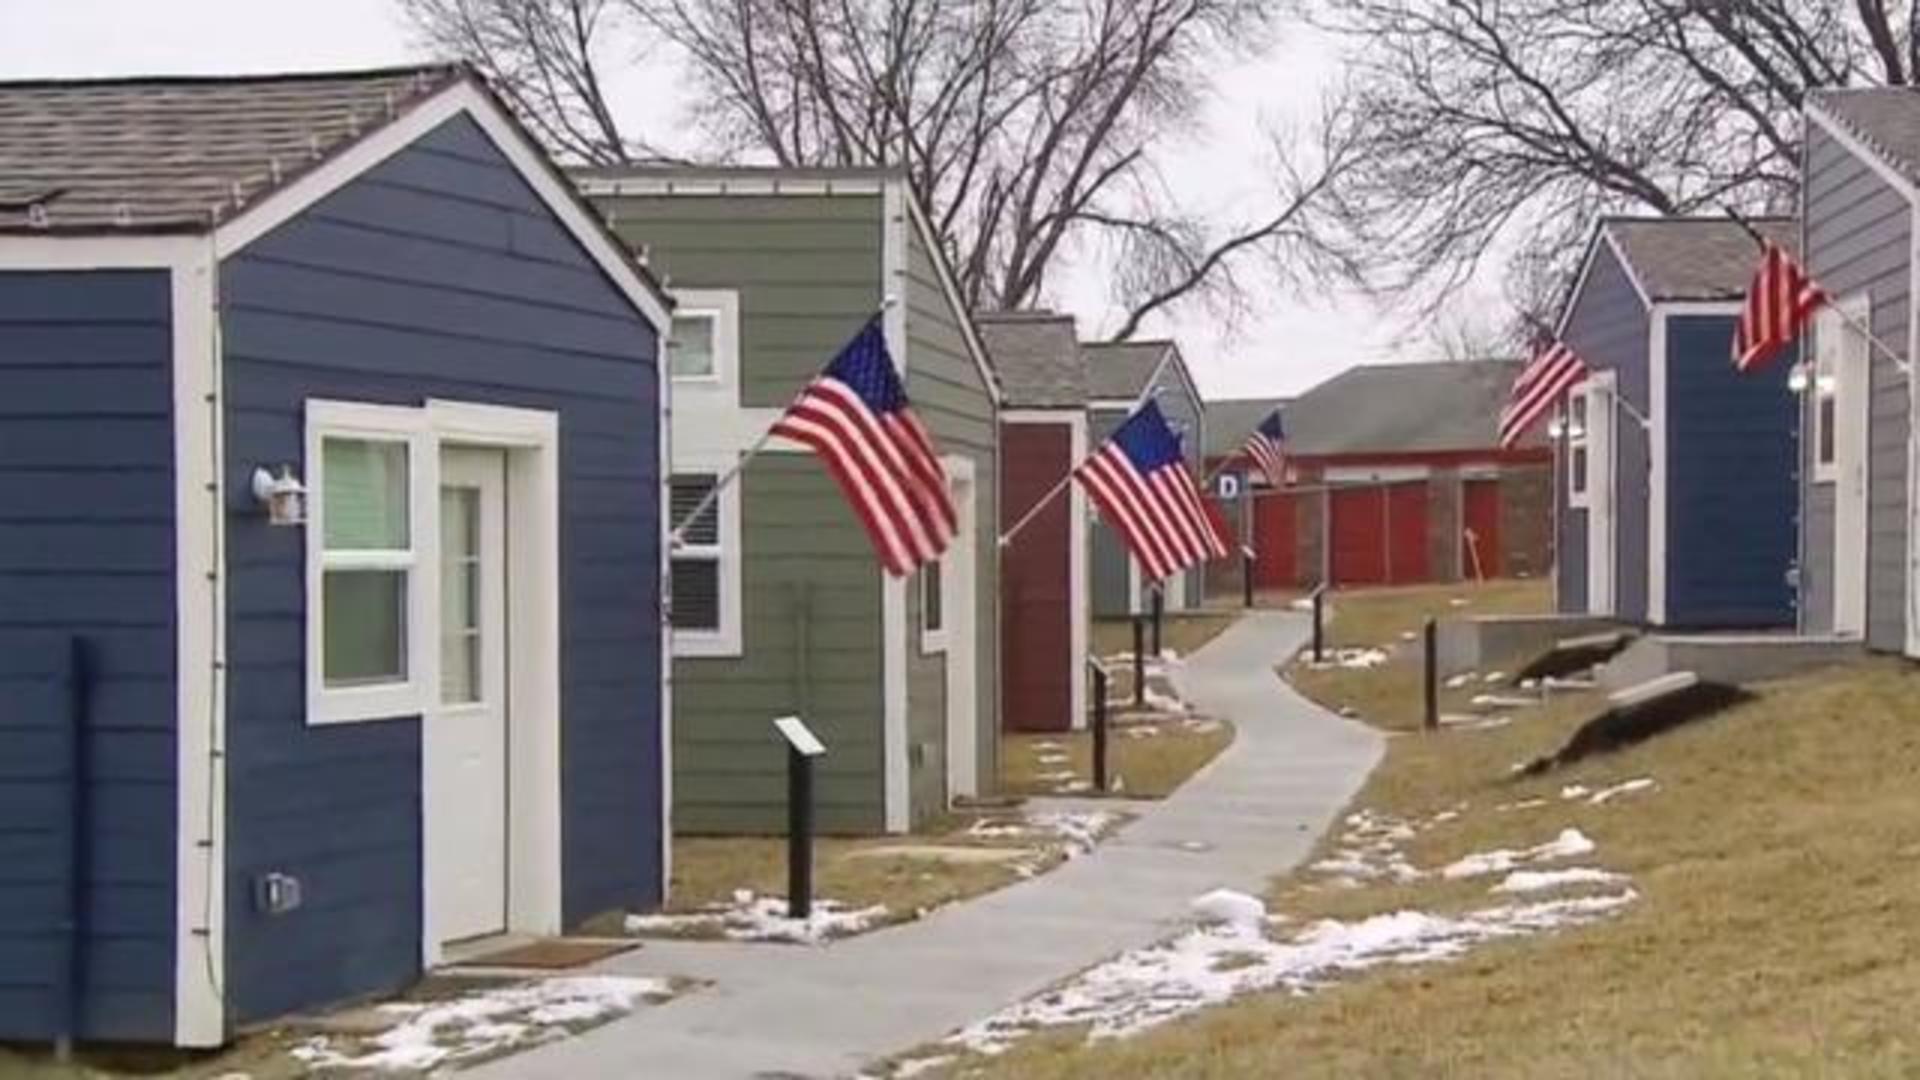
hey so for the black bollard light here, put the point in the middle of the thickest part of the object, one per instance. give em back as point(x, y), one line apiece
point(1159, 616)
point(1139, 661)
point(1430, 635)
point(1246, 576)
point(1099, 726)
point(1319, 622)
point(802, 747)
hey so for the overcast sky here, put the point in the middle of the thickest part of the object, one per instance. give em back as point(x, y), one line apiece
point(1291, 345)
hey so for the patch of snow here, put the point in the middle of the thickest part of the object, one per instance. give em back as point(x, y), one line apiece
point(1569, 844)
point(1054, 775)
point(1501, 701)
point(915, 1066)
point(1625, 787)
point(1146, 987)
point(1526, 881)
point(1575, 791)
point(1445, 816)
point(764, 918)
point(1303, 603)
point(428, 1035)
point(1459, 601)
point(1353, 658)
point(1052, 758)
point(1407, 635)
point(1476, 723)
point(1163, 703)
point(1227, 907)
point(1460, 680)
point(1080, 830)
point(1492, 677)
point(1523, 804)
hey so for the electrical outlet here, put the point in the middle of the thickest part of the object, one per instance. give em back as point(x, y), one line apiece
point(275, 893)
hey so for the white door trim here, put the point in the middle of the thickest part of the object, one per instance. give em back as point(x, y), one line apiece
point(1657, 451)
point(531, 439)
point(1602, 492)
point(1852, 366)
point(959, 600)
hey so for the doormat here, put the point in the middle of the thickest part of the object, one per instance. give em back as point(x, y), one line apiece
point(551, 954)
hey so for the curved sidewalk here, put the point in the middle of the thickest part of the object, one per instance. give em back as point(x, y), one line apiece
point(778, 1010)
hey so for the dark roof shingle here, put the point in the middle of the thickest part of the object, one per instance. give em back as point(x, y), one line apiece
point(1120, 370)
point(1696, 258)
point(163, 154)
point(1037, 356)
point(1403, 408)
point(1229, 422)
point(1886, 118)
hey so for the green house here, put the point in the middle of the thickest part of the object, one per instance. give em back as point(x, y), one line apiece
point(780, 606)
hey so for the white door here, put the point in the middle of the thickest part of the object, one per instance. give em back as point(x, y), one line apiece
point(958, 592)
point(1602, 496)
point(465, 740)
point(1842, 390)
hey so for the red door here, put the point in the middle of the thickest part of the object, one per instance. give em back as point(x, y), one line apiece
point(1036, 612)
point(1379, 534)
point(1273, 540)
point(1480, 545)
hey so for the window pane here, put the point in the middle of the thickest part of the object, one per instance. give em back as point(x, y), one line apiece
point(690, 352)
point(931, 602)
point(696, 594)
point(459, 595)
point(365, 498)
point(1828, 416)
point(687, 491)
point(1579, 469)
point(364, 613)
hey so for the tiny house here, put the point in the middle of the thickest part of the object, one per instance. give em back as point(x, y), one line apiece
point(779, 605)
point(1120, 375)
point(1859, 523)
point(314, 390)
point(1043, 575)
point(1677, 501)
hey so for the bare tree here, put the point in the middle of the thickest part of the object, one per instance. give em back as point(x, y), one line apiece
point(1029, 129)
point(1499, 128)
point(545, 58)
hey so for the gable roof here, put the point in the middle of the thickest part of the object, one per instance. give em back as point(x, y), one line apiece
point(1698, 258)
point(1037, 356)
point(1230, 421)
point(1121, 370)
point(176, 154)
point(1403, 408)
point(1885, 118)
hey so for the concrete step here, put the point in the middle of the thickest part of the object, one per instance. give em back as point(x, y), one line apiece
point(1734, 659)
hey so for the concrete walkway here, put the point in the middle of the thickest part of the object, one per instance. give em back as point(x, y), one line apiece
point(781, 1010)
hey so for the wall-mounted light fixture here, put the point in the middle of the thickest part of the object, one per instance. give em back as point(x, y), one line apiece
point(284, 496)
point(1798, 380)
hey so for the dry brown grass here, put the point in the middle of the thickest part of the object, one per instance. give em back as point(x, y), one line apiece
point(1184, 633)
point(1777, 933)
point(1391, 696)
point(1152, 755)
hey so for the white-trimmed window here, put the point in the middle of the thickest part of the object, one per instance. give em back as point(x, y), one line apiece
point(705, 564)
point(1579, 463)
point(703, 346)
point(1833, 340)
point(369, 477)
point(933, 607)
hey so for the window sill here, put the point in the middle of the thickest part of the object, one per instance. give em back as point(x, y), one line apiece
point(706, 645)
point(933, 642)
point(367, 706)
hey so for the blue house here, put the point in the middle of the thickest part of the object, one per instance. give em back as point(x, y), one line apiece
point(330, 547)
point(1678, 499)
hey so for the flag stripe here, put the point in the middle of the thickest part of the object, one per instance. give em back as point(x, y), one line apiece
point(1780, 300)
point(1555, 371)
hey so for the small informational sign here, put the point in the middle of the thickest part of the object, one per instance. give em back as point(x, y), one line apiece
point(1227, 486)
point(800, 736)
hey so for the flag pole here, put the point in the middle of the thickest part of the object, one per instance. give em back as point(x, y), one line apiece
point(1865, 332)
point(1006, 538)
point(733, 473)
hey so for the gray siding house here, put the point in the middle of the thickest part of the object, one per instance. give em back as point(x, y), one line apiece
point(779, 604)
point(1676, 500)
point(1860, 190)
point(256, 742)
point(1119, 376)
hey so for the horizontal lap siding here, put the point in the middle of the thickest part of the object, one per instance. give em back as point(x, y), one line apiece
point(1857, 240)
point(808, 274)
point(87, 550)
point(438, 274)
point(1109, 574)
point(1730, 482)
point(945, 383)
point(1608, 328)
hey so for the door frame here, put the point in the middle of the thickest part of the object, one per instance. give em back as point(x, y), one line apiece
point(959, 604)
point(1602, 493)
point(530, 442)
point(1852, 368)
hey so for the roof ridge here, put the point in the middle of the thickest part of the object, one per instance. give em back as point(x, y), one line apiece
point(1898, 162)
point(449, 67)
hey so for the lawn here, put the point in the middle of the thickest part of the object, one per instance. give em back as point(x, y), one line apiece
point(1775, 929)
point(1150, 755)
point(1390, 695)
point(1183, 632)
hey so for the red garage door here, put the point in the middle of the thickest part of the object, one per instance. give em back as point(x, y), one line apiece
point(1273, 540)
point(1379, 534)
point(1480, 546)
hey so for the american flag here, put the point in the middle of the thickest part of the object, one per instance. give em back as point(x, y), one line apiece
point(855, 415)
point(1267, 446)
point(1139, 481)
point(1555, 371)
point(1779, 302)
